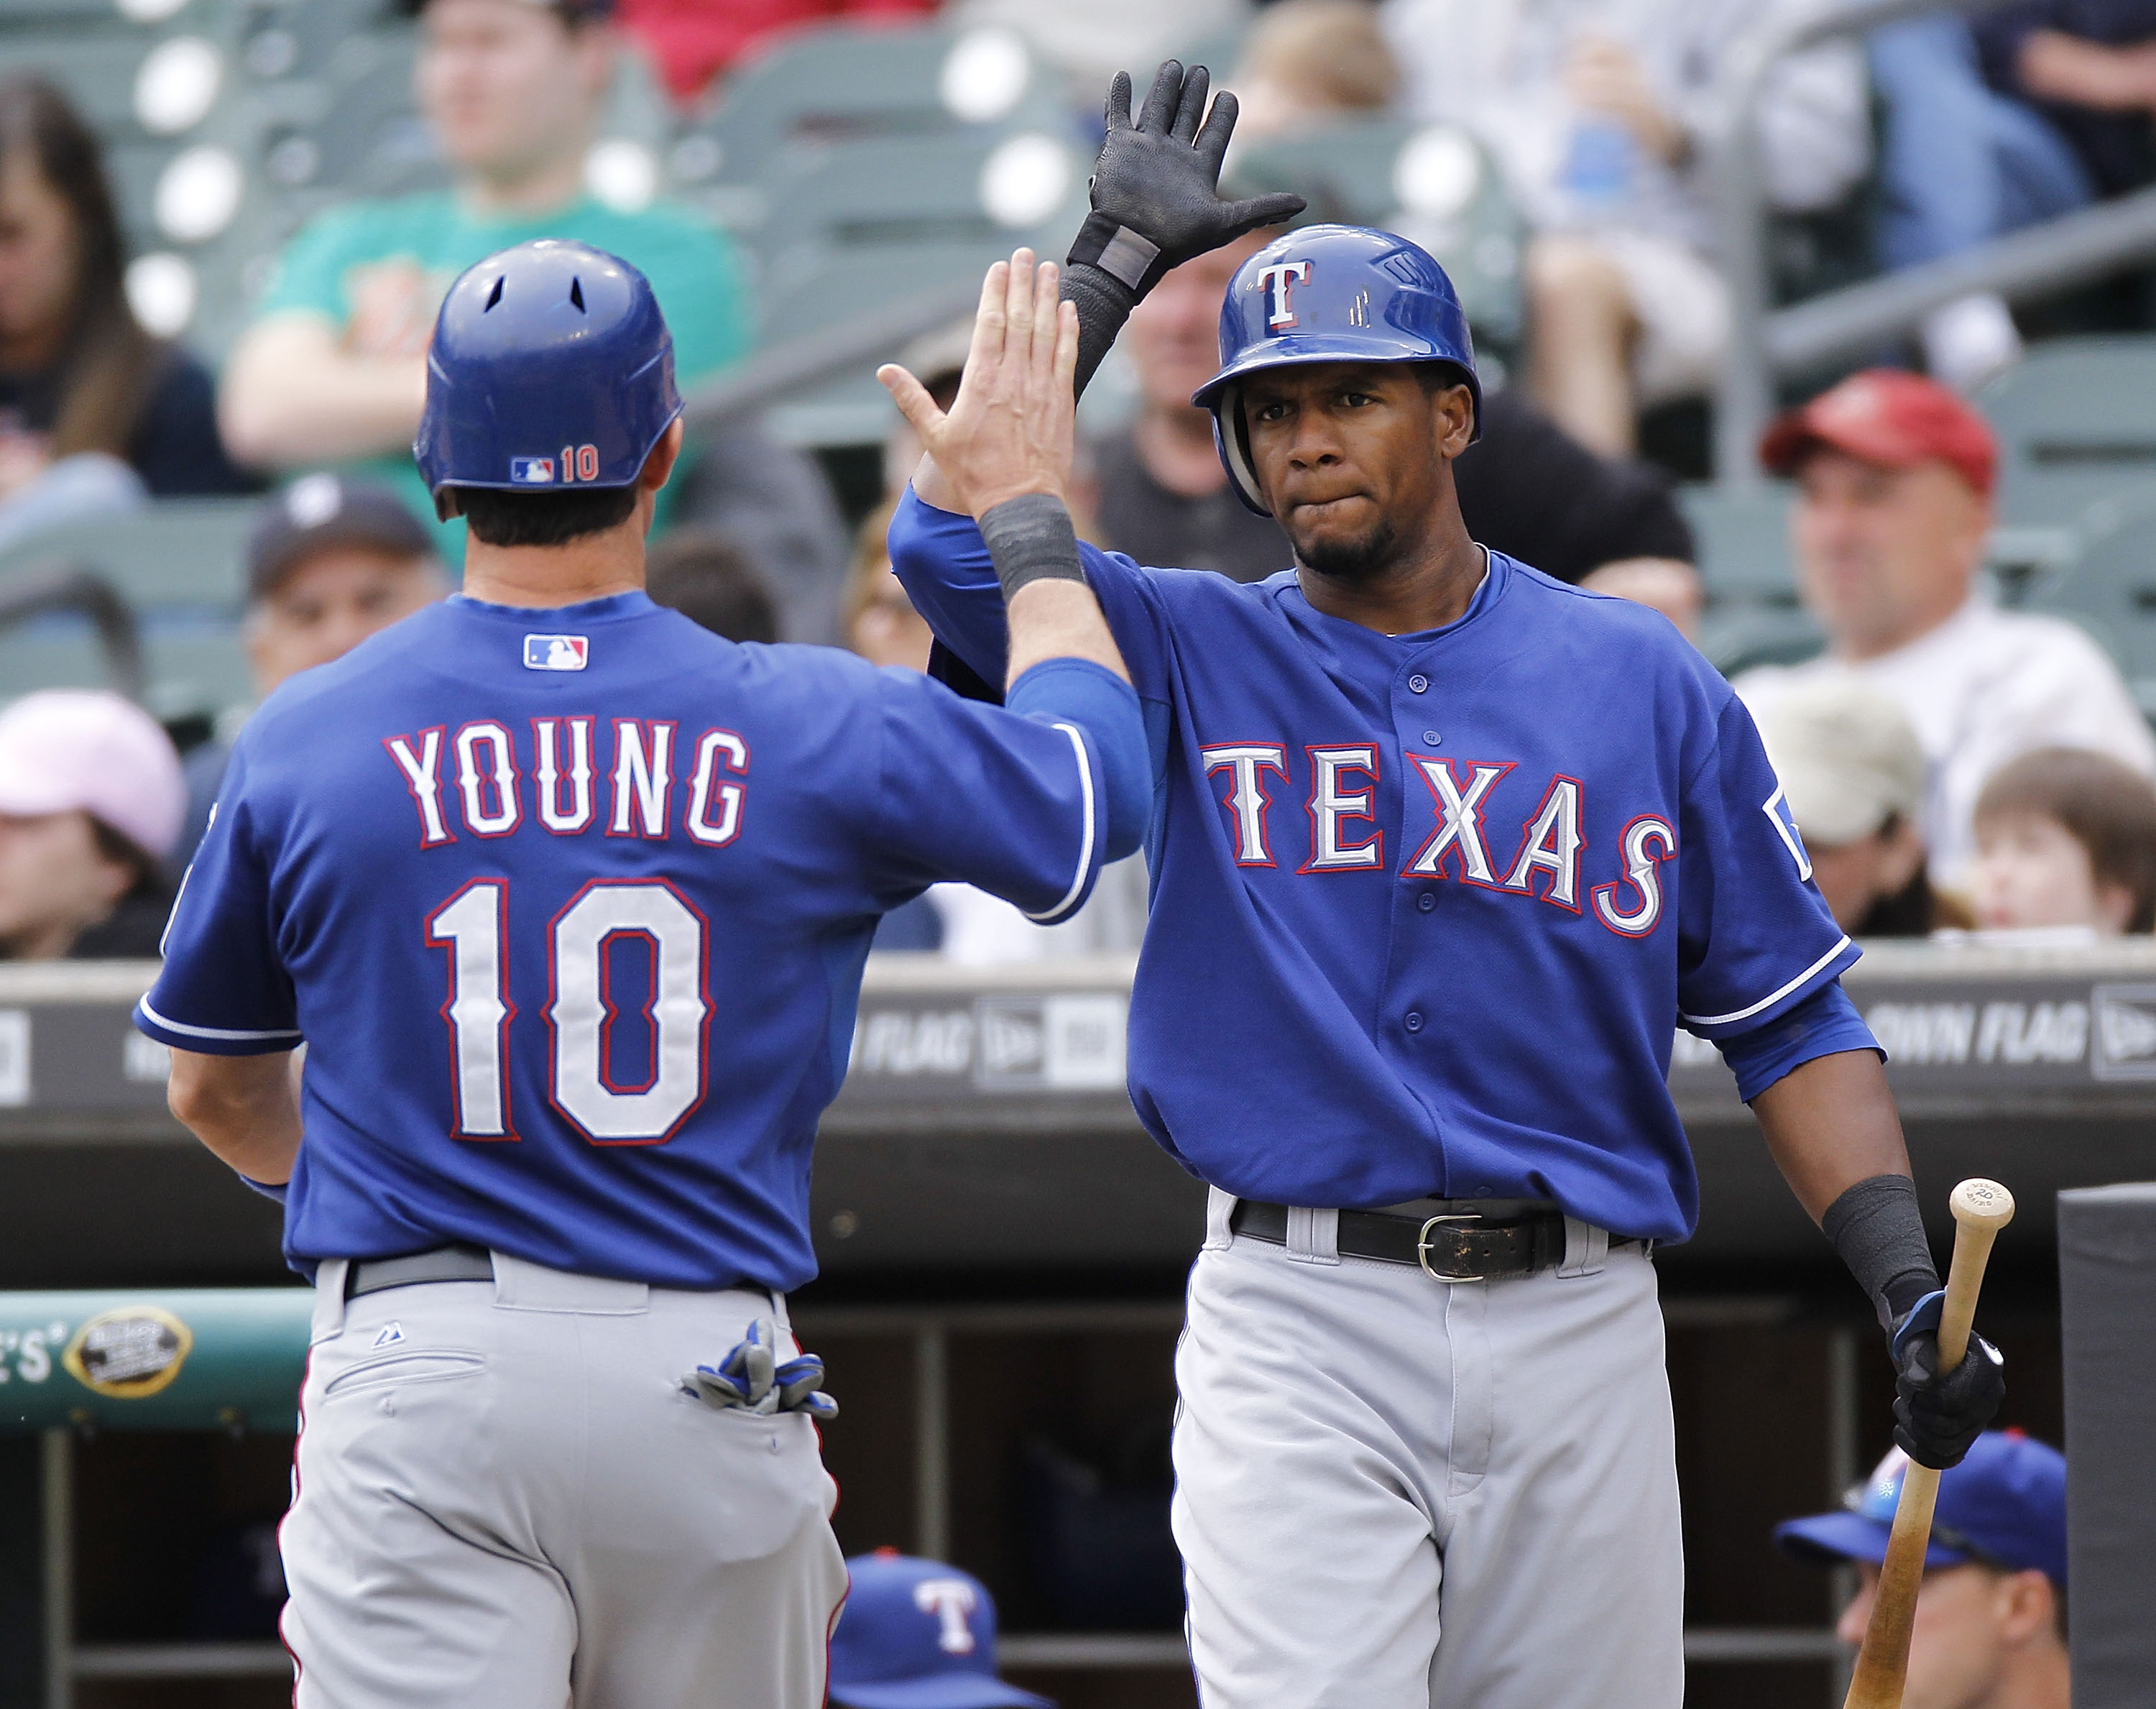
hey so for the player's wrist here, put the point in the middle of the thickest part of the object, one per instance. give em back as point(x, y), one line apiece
point(1030, 538)
point(982, 500)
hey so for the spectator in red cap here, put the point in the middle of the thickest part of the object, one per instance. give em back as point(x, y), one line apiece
point(90, 803)
point(1895, 476)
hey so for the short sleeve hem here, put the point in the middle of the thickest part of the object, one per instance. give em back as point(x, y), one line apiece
point(214, 1041)
point(1770, 1005)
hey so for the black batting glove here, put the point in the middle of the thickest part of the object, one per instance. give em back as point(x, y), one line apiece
point(1156, 201)
point(1155, 189)
point(1937, 1418)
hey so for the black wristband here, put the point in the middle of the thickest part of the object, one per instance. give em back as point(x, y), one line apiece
point(1030, 539)
point(1118, 251)
point(1875, 1228)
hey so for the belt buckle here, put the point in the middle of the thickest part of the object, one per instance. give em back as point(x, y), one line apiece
point(1422, 1249)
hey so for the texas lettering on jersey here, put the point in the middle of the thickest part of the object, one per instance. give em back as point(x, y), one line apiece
point(477, 778)
point(1468, 842)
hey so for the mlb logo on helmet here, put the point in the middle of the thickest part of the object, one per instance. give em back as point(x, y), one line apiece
point(557, 652)
point(532, 471)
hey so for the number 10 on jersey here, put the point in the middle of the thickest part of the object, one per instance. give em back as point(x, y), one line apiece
point(471, 926)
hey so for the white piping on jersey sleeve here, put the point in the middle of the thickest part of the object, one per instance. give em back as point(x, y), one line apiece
point(228, 1034)
point(1047, 916)
point(1770, 999)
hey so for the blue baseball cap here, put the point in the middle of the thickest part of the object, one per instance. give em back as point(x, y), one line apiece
point(2004, 1506)
point(918, 1635)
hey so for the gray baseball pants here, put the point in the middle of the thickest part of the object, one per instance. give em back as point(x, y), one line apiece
point(1393, 1492)
point(503, 1501)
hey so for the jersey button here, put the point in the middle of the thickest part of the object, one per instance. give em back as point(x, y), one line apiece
point(1413, 1023)
point(1418, 684)
point(1426, 900)
point(1431, 737)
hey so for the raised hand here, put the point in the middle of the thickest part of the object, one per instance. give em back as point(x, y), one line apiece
point(1156, 182)
point(1012, 428)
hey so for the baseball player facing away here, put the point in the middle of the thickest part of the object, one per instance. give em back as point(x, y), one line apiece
point(569, 899)
point(1443, 852)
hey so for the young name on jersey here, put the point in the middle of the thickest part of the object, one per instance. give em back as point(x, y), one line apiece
point(477, 782)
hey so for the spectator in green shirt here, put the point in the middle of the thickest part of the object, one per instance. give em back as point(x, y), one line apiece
point(333, 372)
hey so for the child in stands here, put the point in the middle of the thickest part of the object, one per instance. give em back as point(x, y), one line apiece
point(2067, 838)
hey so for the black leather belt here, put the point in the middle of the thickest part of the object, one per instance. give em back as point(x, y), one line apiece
point(371, 1276)
point(1454, 1241)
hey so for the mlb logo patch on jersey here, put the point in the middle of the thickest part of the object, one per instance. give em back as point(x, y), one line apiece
point(557, 652)
point(532, 471)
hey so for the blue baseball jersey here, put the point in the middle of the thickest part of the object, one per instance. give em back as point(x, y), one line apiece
point(1428, 908)
point(570, 908)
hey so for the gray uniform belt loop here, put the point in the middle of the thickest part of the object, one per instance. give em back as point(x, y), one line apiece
point(371, 1276)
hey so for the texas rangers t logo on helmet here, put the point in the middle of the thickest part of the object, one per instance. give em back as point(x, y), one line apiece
point(1274, 281)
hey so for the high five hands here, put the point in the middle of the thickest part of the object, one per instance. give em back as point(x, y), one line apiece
point(1012, 428)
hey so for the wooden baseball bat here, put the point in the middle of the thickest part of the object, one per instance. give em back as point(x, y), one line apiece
point(1981, 1209)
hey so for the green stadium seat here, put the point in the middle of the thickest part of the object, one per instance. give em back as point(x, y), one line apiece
point(850, 84)
point(873, 224)
point(1743, 542)
point(2110, 590)
point(180, 565)
point(2076, 425)
point(302, 42)
point(186, 553)
point(79, 15)
point(1433, 184)
point(96, 72)
point(1752, 615)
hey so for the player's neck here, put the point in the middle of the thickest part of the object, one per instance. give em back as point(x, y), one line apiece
point(2037, 1678)
point(1426, 587)
point(593, 567)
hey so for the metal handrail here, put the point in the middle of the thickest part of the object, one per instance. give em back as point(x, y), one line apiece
point(1744, 397)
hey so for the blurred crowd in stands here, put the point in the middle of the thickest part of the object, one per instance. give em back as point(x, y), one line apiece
point(1955, 766)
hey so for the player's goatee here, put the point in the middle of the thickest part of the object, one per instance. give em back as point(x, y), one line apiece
point(1360, 558)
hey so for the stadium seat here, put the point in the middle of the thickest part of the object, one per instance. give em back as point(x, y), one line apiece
point(2076, 425)
point(2110, 590)
point(874, 224)
point(849, 83)
point(1432, 183)
point(179, 564)
point(1753, 616)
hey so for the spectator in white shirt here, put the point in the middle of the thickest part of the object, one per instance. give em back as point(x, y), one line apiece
point(1602, 116)
point(1895, 476)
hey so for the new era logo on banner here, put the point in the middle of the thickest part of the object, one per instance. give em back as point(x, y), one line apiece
point(532, 471)
point(557, 652)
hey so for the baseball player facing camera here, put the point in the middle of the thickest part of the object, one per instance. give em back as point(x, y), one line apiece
point(1443, 852)
point(569, 900)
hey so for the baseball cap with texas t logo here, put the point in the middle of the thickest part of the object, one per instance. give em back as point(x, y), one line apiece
point(918, 1635)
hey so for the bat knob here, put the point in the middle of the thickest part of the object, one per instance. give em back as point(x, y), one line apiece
point(1980, 1204)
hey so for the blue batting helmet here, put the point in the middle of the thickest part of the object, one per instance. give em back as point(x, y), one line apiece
point(1330, 293)
point(551, 370)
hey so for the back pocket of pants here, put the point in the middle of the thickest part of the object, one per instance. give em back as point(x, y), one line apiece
point(402, 1369)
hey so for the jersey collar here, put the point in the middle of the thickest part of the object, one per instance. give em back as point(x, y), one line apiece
point(613, 609)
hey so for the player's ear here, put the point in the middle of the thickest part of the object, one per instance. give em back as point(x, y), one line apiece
point(1454, 407)
point(659, 465)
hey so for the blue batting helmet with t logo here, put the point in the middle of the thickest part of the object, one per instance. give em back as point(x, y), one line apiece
point(551, 370)
point(1330, 293)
